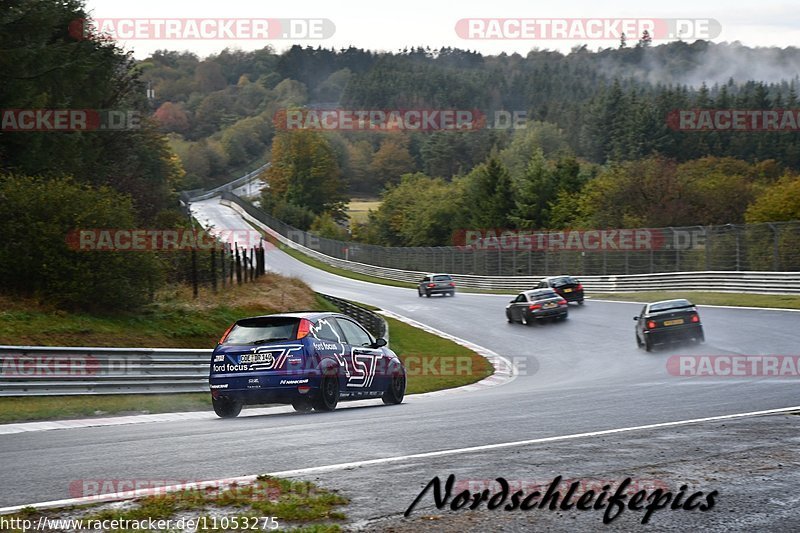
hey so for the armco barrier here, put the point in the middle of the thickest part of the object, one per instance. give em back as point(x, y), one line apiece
point(67, 371)
point(717, 281)
point(374, 322)
point(46, 371)
point(197, 195)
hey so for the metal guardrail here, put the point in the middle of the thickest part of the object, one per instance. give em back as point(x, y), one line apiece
point(197, 195)
point(374, 322)
point(47, 371)
point(718, 281)
point(68, 371)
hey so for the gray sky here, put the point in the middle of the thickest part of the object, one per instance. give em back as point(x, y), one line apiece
point(432, 23)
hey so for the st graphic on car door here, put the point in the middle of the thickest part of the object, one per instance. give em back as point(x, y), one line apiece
point(332, 344)
point(364, 361)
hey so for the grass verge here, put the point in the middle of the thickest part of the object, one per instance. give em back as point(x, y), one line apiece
point(785, 301)
point(298, 506)
point(173, 320)
point(432, 362)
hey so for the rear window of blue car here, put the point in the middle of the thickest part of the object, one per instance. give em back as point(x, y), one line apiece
point(263, 329)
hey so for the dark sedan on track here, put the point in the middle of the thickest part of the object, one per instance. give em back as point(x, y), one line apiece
point(311, 360)
point(538, 304)
point(668, 321)
point(567, 287)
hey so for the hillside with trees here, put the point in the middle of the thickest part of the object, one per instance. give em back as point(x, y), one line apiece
point(597, 149)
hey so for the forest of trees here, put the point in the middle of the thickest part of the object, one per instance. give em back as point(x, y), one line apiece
point(610, 105)
point(54, 182)
point(596, 140)
point(596, 150)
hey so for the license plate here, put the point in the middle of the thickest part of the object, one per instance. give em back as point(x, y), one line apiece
point(256, 358)
point(567, 290)
point(673, 322)
point(549, 306)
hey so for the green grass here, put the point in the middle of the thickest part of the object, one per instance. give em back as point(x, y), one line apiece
point(174, 320)
point(786, 301)
point(359, 208)
point(432, 362)
point(292, 503)
point(298, 506)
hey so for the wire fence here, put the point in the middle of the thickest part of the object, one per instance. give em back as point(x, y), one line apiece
point(222, 266)
point(734, 247)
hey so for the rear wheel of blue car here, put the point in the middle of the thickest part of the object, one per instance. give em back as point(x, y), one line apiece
point(226, 407)
point(328, 394)
point(396, 391)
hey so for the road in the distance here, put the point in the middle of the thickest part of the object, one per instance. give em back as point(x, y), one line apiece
point(584, 374)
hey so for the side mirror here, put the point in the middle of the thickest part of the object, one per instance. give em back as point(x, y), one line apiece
point(636, 318)
point(512, 302)
point(379, 343)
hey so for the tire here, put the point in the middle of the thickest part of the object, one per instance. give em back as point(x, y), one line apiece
point(328, 396)
point(226, 407)
point(452, 293)
point(701, 338)
point(524, 320)
point(508, 317)
point(419, 293)
point(564, 316)
point(427, 294)
point(396, 391)
point(648, 344)
point(580, 302)
point(302, 405)
point(638, 341)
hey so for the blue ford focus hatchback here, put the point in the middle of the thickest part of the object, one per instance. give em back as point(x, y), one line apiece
point(311, 360)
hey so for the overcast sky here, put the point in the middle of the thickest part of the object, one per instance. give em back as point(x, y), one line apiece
point(396, 24)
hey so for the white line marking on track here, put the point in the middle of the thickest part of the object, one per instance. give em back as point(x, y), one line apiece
point(385, 460)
